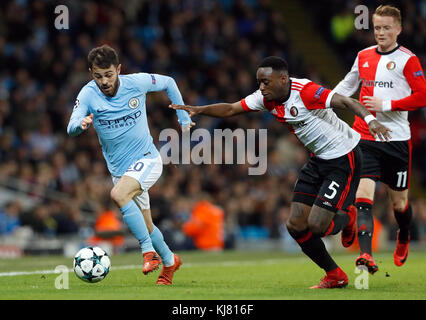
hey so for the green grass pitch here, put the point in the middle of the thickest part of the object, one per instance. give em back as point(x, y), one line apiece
point(228, 275)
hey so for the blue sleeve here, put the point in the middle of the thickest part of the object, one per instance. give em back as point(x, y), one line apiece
point(80, 110)
point(157, 82)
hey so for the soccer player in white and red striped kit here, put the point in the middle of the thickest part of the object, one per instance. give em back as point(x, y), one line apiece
point(328, 181)
point(392, 83)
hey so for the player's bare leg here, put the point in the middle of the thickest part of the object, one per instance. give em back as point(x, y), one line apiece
point(403, 215)
point(365, 222)
point(306, 225)
point(299, 214)
point(125, 190)
point(324, 222)
point(122, 194)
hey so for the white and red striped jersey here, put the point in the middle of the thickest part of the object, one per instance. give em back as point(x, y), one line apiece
point(308, 115)
point(397, 78)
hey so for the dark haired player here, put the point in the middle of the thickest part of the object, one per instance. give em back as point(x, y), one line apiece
point(115, 105)
point(392, 83)
point(327, 183)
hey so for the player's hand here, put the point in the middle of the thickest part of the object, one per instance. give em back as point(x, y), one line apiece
point(190, 109)
point(188, 127)
point(379, 130)
point(373, 103)
point(86, 122)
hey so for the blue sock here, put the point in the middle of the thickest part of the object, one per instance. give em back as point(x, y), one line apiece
point(161, 247)
point(134, 220)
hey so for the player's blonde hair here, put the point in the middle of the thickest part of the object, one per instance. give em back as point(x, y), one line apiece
point(389, 11)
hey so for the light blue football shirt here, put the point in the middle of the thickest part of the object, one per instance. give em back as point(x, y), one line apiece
point(121, 121)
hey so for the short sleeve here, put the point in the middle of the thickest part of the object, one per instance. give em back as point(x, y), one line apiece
point(315, 96)
point(253, 102)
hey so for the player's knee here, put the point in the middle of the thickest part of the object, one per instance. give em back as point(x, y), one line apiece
point(294, 226)
point(400, 205)
point(119, 197)
point(316, 227)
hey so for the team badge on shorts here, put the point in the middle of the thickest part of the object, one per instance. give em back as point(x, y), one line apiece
point(133, 103)
point(391, 65)
point(293, 111)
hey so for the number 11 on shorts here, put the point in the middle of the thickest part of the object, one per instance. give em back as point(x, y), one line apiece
point(402, 179)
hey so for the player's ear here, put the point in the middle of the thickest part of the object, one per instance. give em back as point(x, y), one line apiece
point(119, 68)
point(284, 78)
point(399, 30)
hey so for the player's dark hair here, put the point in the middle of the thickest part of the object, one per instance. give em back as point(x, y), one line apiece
point(103, 57)
point(276, 63)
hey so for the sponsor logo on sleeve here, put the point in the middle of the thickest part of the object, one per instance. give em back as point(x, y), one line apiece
point(418, 73)
point(319, 92)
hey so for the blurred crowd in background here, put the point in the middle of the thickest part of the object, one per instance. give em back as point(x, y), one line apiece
point(211, 49)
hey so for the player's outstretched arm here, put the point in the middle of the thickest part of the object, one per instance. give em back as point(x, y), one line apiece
point(376, 128)
point(218, 110)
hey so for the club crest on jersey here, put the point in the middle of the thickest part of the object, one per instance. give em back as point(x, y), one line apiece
point(293, 111)
point(391, 65)
point(133, 103)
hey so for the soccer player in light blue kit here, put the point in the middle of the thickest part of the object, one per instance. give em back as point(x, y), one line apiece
point(115, 105)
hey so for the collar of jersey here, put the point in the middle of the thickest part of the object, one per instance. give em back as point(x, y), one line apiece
point(389, 52)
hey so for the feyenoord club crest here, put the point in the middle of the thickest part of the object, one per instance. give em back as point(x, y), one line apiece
point(293, 111)
point(134, 103)
point(391, 65)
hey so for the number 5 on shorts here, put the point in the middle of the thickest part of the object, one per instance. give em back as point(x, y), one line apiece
point(333, 185)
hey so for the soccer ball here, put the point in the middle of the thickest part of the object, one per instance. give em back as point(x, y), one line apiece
point(91, 264)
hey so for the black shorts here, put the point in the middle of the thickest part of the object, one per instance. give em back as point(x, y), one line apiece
point(389, 162)
point(329, 184)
